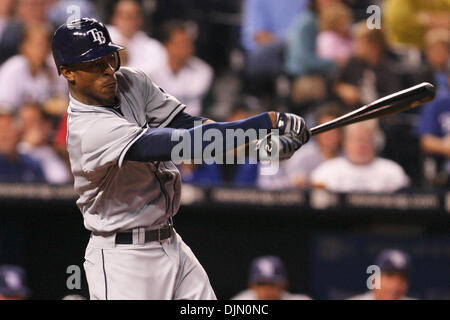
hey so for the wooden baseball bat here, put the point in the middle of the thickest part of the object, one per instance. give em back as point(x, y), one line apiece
point(393, 103)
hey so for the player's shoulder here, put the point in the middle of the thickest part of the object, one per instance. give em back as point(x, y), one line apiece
point(130, 73)
point(132, 79)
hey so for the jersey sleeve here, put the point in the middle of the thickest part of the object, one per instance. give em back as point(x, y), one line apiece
point(107, 141)
point(160, 107)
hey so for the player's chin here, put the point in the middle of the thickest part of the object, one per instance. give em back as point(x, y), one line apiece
point(108, 93)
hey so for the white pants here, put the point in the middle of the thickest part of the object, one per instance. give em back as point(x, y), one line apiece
point(156, 271)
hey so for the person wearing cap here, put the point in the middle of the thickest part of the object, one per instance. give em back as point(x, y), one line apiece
point(395, 267)
point(12, 283)
point(268, 280)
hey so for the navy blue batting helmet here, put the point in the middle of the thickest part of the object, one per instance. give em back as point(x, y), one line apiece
point(82, 40)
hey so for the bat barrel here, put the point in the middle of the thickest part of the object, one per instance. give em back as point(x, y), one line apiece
point(390, 104)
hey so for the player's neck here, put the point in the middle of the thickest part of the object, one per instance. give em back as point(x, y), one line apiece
point(89, 100)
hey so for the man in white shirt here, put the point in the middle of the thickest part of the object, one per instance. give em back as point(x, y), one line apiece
point(29, 76)
point(268, 280)
point(360, 170)
point(182, 74)
point(141, 51)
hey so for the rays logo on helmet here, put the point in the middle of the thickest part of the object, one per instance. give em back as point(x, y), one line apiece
point(97, 35)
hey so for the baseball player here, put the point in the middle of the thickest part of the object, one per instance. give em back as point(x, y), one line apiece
point(395, 267)
point(120, 126)
point(268, 280)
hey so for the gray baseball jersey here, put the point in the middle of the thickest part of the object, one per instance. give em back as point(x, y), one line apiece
point(115, 195)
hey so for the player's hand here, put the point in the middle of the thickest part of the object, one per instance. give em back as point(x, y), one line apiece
point(293, 133)
point(290, 124)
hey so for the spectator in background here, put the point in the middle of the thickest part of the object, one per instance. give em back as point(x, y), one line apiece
point(407, 21)
point(335, 40)
point(32, 12)
point(434, 132)
point(37, 128)
point(301, 51)
point(268, 280)
point(302, 63)
point(296, 171)
point(182, 74)
point(141, 51)
point(437, 69)
point(10, 30)
point(30, 76)
point(59, 11)
point(265, 25)
point(368, 75)
point(394, 279)
point(360, 170)
point(14, 166)
point(13, 283)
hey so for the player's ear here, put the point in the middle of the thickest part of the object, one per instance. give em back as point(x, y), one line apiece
point(68, 73)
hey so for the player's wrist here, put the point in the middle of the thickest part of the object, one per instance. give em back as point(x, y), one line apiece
point(274, 118)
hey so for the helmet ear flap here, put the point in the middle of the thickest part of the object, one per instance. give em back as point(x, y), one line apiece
point(118, 60)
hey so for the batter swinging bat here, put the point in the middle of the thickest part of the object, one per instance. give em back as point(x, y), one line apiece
point(393, 103)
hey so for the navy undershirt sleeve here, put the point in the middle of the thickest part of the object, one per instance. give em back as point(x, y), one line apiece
point(184, 120)
point(156, 144)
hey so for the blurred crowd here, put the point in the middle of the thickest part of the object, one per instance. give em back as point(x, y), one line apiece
point(232, 59)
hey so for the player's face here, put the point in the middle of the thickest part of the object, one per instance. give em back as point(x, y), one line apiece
point(393, 286)
point(268, 291)
point(95, 81)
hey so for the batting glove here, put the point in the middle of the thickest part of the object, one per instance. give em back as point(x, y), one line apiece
point(293, 133)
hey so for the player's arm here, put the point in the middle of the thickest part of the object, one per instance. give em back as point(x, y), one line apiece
point(157, 144)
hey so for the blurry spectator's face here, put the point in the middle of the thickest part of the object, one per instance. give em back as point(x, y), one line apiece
point(393, 286)
point(128, 18)
point(359, 145)
point(344, 23)
point(329, 140)
point(36, 47)
point(29, 115)
point(438, 55)
point(180, 46)
point(32, 11)
point(267, 291)
point(367, 50)
point(36, 129)
point(9, 135)
point(6, 7)
point(322, 4)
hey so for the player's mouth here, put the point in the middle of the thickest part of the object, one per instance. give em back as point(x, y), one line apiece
point(110, 85)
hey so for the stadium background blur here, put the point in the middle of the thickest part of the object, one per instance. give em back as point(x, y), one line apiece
point(227, 60)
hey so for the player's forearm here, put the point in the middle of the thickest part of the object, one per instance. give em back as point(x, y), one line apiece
point(158, 144)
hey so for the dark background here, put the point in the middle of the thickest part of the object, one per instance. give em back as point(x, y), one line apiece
point(47, 236)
